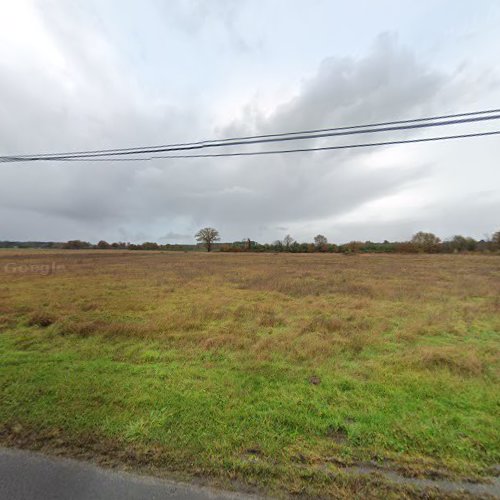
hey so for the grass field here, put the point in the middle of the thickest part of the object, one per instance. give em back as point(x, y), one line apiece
point(276, 371)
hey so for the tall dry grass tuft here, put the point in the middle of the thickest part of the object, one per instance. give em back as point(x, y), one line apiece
point(455, 359)
point(41, 319)
point(82, 328)
point(322, 323)
point(271, 319)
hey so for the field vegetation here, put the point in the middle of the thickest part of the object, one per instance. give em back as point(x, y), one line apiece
point(279, 372)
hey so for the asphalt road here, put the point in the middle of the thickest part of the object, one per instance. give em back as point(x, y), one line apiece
point(26, 475)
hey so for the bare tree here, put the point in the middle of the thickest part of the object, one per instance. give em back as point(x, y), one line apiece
point(287, 241)
point(320, 241)
point(207, 236)
point(495, 239)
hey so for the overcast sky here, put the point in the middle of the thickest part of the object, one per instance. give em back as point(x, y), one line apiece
point(115, 73)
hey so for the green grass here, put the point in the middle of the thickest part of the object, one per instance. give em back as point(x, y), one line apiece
point(209, 404)
point(257, 368)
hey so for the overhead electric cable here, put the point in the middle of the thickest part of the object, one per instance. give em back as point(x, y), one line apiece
point(281, 151)
point(287, 136)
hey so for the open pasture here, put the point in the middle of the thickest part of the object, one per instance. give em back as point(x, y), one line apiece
point(277, 371)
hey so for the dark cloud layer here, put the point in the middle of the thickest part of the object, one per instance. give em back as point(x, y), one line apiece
point(85, 96)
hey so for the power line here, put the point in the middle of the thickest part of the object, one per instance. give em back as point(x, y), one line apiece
point(286, 136)
point(261, 141)
point(206, 141)
point(281, 151)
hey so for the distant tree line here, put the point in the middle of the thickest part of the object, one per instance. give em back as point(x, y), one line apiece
point(102, 245)
point(208, 239)
point(421, 242)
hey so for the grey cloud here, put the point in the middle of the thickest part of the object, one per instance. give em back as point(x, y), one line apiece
point(388, 83)
point(94, 99)
point(474, 215)
point(172, 236)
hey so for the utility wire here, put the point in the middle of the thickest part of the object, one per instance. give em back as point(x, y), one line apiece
point(287, 136)
point(281, 151)
point(275, 135)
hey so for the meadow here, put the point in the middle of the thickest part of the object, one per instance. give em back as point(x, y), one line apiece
point(279, 373)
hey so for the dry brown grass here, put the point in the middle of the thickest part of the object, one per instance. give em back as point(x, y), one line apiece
point(302, 306)
point(461, 361)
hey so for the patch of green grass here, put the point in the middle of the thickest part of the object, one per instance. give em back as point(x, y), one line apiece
point(212, 403)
